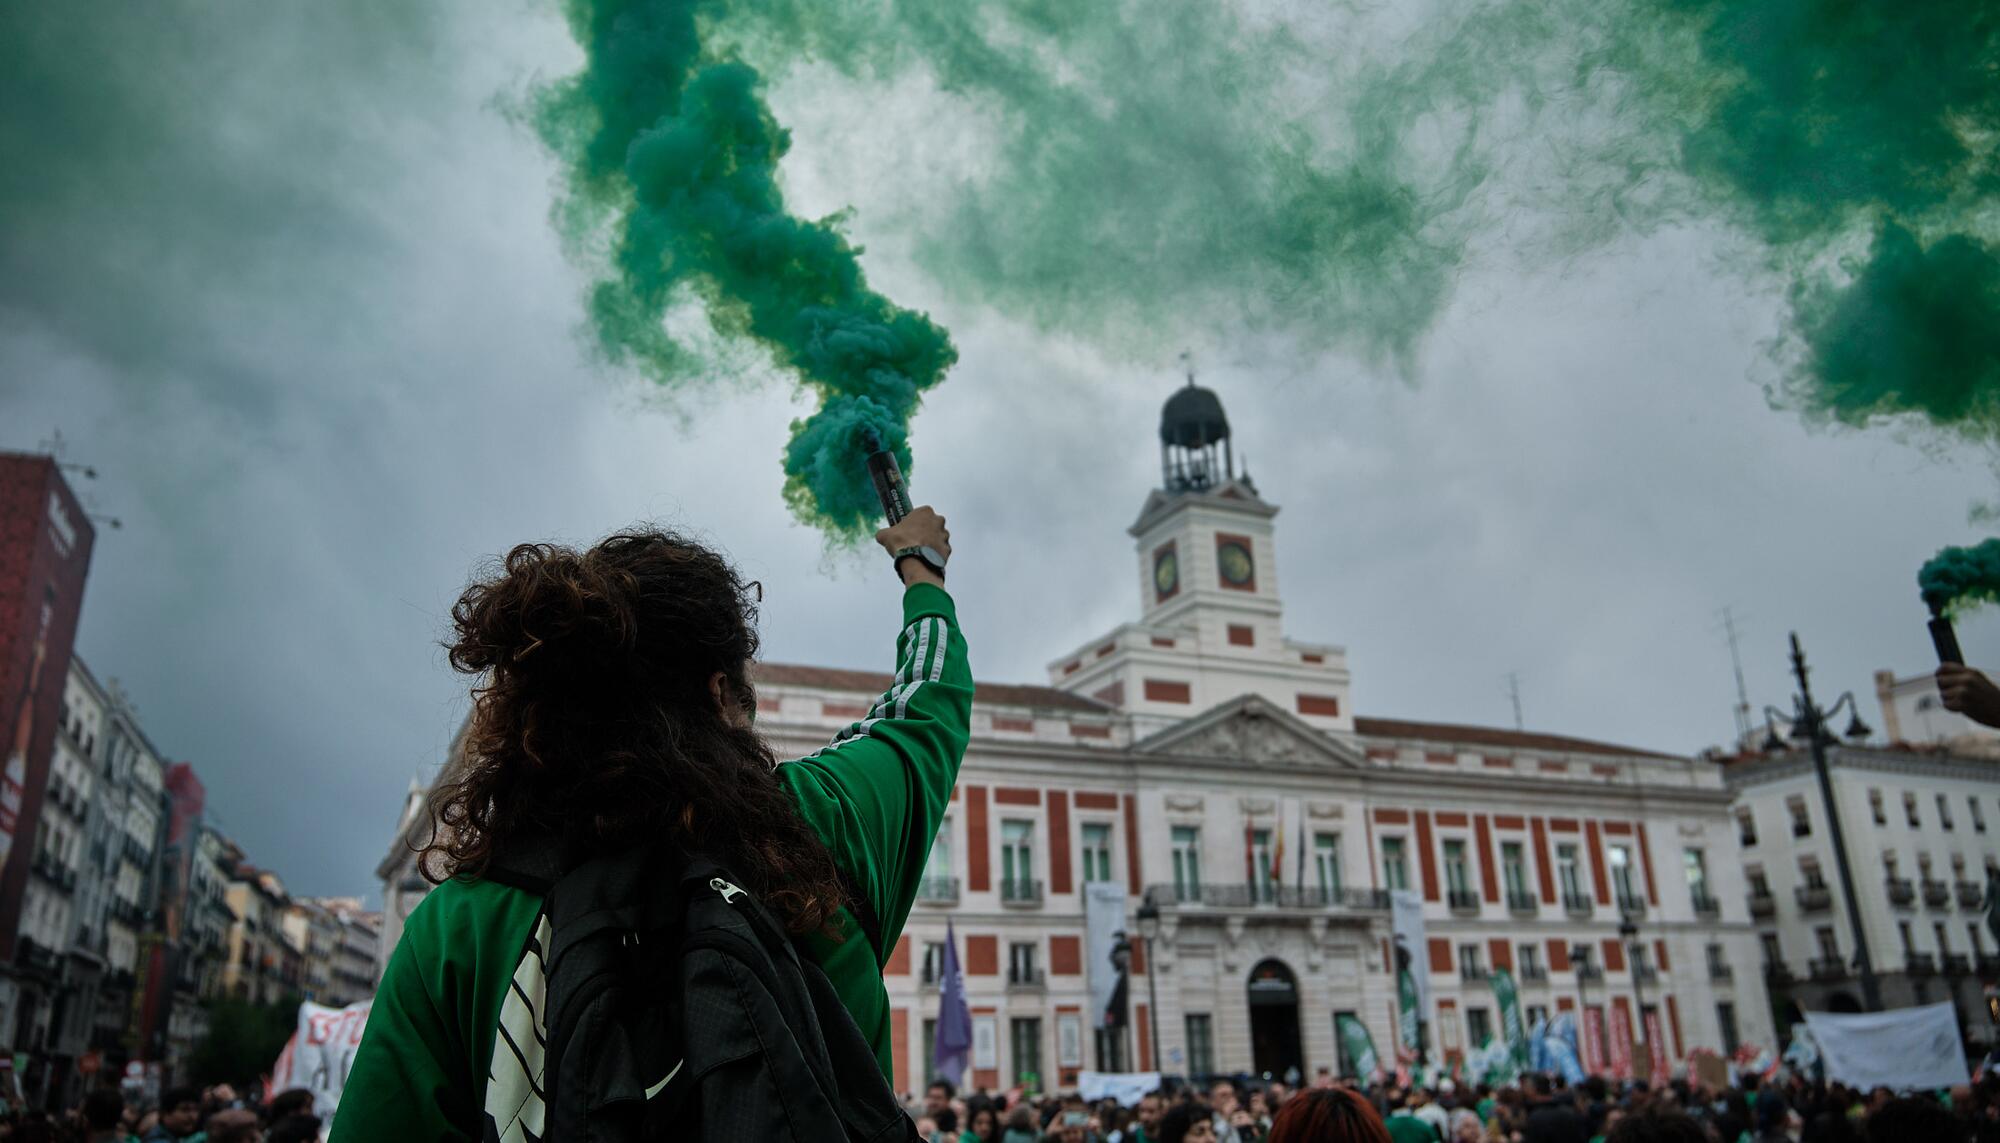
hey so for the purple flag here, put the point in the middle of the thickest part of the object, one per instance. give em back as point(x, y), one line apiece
point(953, 1044)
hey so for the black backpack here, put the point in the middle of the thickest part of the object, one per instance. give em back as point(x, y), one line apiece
point(677, 1008)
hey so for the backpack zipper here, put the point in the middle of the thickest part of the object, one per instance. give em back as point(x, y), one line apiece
point(729, 892)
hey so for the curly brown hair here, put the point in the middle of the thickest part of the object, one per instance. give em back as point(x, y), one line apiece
point(594, 725)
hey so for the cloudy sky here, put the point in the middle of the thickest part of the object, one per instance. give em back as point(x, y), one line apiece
point(288, 283)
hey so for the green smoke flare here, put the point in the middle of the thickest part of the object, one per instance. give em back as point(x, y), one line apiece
point(1958, 578)
point(672, 148)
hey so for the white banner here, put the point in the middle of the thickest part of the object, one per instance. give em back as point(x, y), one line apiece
point(1406, 924)
point(320, 1052)
point(1128, 1088)
point(1900, 1049)
point(1103, 926)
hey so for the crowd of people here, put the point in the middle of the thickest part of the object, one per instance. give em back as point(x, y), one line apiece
point(1540, 1109)
point(181, 1115)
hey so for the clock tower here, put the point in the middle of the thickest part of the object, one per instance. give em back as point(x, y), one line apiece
point(1210, 627)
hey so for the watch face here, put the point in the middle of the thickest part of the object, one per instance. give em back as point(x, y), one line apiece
point(1166, 573)
point(1235, 562)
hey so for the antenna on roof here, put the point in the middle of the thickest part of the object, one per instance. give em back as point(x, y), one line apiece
point(1742, 692)
point(1514, 693)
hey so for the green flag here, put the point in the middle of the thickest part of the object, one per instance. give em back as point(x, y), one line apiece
point(1511, 1028)
point(1359, 1044)
point(1406, 1011)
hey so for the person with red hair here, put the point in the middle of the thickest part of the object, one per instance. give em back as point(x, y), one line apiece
point(1327, 1115)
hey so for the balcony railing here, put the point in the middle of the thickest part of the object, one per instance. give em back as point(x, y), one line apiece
point(1522, 904)
point(1955, 964)
point(1019, 891)
point(1026, 980)
point(1720, 972)
point(1902, 891)
point(1233, 896)
point(1763, 905)
point(1534, 974)
point(1631, 905)
point(1473, 972)
point(1578, 904)
point(1645, 973)
point(1705, 906)
point(1814, 898)
point(1777, 972)
point(1828, 968)
point(1937, 894)
point(938, 890)
point(1919, 964)
point(1589, 971)
point(1463, 901)
point(1969, 894)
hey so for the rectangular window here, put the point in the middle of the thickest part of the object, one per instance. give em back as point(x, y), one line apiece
point(1944, 811)
point(1469, 965)
point(1746, 826)
point(1261, 884)
point(1943, 939)
point(933, 968)
point(1621, 875)
point(1326, 864)
point(1809, 869)
point(1903, 931)
point(1200, 1047)
point(1801, 815)
point(1528, 958)
point(1096, 851)
point(1026, 1038)
point(1829, 945)
point(1514, 870)
point(937, 868)
point(1695, 863)
point(1395, 866)
point(1773, 954)
point(1457, 877)
point(1725, 1022)
point(1716, 964)
point(1020, 963)
point(1478, 1027)
point(1910, 810)
point(1875, 809)
point(1187, 862)
point(1569, 872)
point(1017, 860)
point(930, 1048)
point(1978, 813)
point(1759, 887)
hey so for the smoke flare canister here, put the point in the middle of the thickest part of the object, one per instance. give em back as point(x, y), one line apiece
point(888, 477)
point(1945, 639)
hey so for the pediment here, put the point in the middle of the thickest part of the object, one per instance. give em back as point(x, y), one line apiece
point(1253, 731)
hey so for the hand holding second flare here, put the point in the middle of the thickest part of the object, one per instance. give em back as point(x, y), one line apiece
point(922, 528)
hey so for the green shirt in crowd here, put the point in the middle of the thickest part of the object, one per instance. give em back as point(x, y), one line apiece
point(454, 1037)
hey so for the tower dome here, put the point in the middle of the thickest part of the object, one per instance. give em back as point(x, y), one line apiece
point(1192, 426)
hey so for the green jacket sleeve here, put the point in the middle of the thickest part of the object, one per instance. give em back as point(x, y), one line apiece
point(411, 1077)
point(877, 792)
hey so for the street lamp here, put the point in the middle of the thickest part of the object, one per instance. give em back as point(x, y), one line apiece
point(1121, 957)
point(1808, 722)
point(1628, 930)
point(1149, 931)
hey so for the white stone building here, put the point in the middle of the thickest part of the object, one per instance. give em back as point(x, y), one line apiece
point(1921, 831)
point(1203, 760)
point(1912, 714)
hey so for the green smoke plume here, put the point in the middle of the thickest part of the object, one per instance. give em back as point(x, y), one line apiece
point(673, 149)
point(1958, 578)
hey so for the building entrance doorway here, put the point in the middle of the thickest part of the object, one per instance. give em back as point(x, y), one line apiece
point(1274, 1022)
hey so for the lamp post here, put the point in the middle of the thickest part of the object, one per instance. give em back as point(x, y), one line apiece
point(1628, 931)
point(1121, 956)
point(1149, 931)
point(1808, 723)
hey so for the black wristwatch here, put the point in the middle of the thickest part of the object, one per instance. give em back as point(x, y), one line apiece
point(931, 558)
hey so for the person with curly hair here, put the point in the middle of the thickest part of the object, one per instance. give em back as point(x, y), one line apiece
point(613, 710)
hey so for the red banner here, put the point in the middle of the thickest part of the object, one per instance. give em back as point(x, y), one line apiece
point(1593, 1039)
point(1661, 1073)
point(45, 541)
point(1621, 1037)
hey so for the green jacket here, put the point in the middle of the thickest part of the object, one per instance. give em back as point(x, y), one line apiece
point(453, 1038)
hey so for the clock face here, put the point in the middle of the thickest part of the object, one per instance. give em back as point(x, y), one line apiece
point(1234, 560)
point(1166, 572)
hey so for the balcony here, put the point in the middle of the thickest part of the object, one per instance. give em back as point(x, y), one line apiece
point(1534, 974)
point(1828, 968)
point(1473, 973)
point(1919, 964)
point(1026, 980)
point(1937, 894)
point(1705, 906)
point(1645, 973)
point(1777, 972)
point(1464, 902)
point(1631, 905)
point(1589, 971)
point(1814, 898)
point(1720, 973)
point(1970, 893)
point(1578, 904)
point(1236, 896)
point(1018, 891)
point(1763, 905)
point(1956, 964)
point(1902, 891)
point(1522, 904)
point(938, 890)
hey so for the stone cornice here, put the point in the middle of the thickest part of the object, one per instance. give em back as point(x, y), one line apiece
point(1765, 770)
